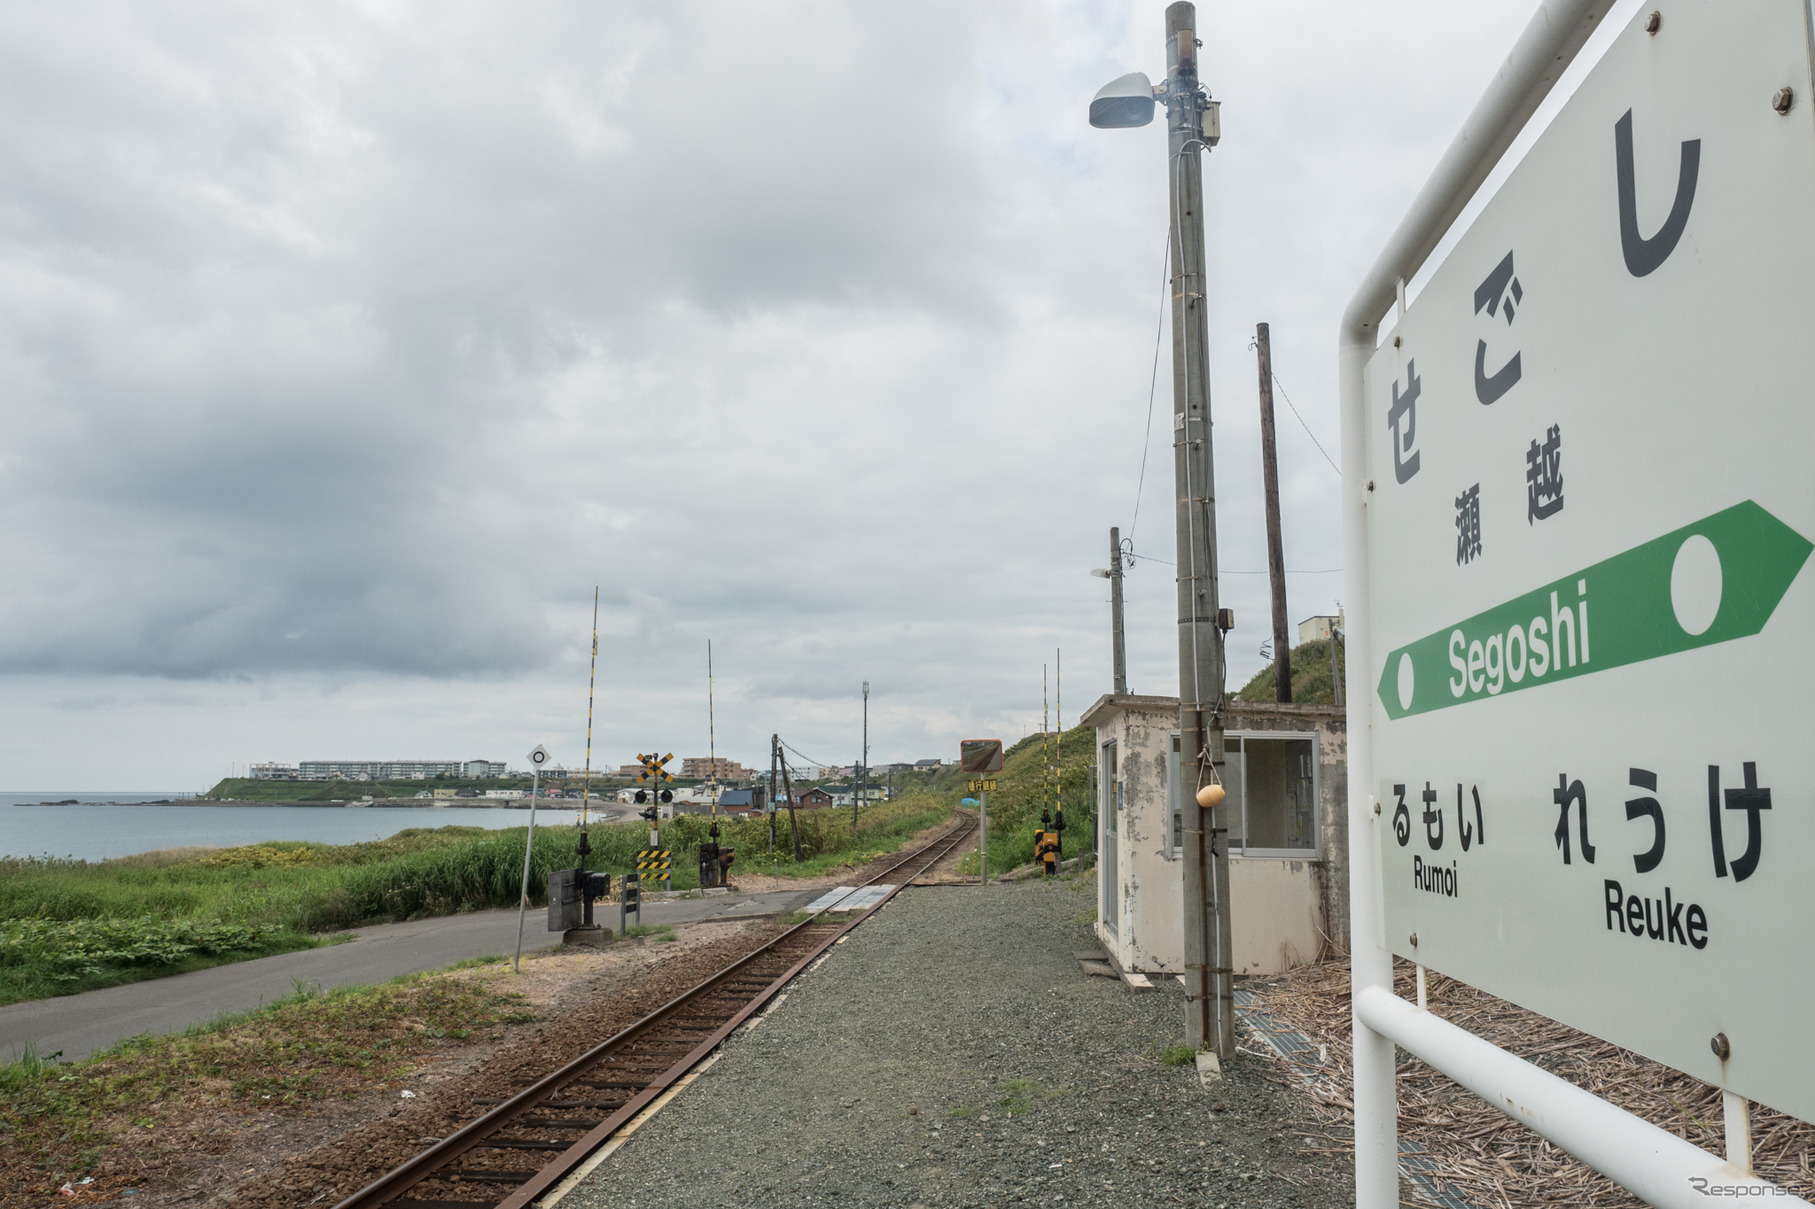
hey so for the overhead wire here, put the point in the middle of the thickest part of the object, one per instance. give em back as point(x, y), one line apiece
point(1159, 331)
point(1306, 427)
point(803, 755)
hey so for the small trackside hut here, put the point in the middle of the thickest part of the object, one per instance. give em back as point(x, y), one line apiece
point(1288, 832)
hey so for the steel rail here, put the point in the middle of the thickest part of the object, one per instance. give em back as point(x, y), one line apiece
point(432, 1162)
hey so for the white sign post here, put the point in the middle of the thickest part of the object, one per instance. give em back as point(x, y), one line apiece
point(537, 759)
point(1581, 478)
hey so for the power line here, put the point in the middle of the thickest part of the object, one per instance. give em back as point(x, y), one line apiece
point(1306, 427)
point(1226, 571)
point(1159, 329)
point(803, 755)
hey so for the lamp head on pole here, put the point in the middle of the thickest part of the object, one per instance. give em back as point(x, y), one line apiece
point(1123, 102)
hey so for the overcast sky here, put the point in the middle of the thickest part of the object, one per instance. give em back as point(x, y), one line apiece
point(345, 348)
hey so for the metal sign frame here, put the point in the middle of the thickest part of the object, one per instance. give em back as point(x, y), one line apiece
point(1650, 1161)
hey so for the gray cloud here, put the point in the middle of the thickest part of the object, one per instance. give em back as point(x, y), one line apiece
point(346, 349)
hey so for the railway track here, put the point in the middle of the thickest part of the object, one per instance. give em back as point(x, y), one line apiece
point(527, 1143)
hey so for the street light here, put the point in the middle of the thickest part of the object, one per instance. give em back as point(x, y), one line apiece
point(1193, 125)
point(1123, 102)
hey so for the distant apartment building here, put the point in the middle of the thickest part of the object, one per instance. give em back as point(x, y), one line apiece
point(1317, 629)
point(275, 772)
point(703, 768)
point(396, 770)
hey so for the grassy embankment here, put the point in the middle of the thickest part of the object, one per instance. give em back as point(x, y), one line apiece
point(1024, 788)
point(1311, 680)
point(63, 1122)
point(68, 926)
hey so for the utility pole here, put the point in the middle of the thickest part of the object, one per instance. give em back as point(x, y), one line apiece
point(1276, 550)
point(787, 787)
point(1115, 610)
point(1210, 1017)
point(774, 760)
point(863, 765)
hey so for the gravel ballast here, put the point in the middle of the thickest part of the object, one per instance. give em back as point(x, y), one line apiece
point(950, 1052)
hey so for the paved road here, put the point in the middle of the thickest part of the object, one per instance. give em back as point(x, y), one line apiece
point(80, 1024)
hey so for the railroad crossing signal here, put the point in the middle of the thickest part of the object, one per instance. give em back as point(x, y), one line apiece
point(981, 786)
point(652, 767)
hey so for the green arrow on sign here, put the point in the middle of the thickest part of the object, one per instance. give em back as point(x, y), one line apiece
point(1717, 579)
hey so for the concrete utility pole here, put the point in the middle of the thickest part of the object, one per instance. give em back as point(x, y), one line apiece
point(1115, 610)
point(863, 765)
point(1210, 1017)
point(1276, 549)
point(774, 772)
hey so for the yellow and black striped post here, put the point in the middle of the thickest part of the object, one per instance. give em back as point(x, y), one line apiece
point(656, 863)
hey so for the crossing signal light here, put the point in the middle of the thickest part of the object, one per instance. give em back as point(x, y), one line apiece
point(642, 796)
point(667, 795)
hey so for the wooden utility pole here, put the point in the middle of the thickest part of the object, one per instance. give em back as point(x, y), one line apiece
point(1276, 550)
point(787, 787)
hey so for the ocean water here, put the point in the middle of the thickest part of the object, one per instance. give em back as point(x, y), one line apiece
point(103, 825)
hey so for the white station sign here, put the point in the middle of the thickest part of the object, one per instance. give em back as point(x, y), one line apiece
point(1592, 445)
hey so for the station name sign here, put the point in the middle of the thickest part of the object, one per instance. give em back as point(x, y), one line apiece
point(1592, 456)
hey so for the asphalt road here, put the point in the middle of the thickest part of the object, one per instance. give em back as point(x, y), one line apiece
point(77, 1025)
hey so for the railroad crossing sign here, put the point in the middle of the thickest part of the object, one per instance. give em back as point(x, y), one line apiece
point(981, 786)
point(1588, 528)
point(652, 768)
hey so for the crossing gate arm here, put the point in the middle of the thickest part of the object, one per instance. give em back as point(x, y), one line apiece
point(1650, 1161)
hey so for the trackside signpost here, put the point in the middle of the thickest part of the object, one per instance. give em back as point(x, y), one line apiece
point(1580, 480)
point(981, 756)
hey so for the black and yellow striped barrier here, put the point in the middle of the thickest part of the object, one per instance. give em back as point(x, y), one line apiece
point(656, 862)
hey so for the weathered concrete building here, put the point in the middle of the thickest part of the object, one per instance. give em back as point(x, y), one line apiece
point(1286, 813)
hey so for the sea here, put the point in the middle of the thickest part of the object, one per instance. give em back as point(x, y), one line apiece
point(99, 826)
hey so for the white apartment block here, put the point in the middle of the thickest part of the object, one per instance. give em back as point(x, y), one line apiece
point(396, 770)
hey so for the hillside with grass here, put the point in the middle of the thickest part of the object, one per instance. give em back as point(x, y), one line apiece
point(1311, 679)
point(1037, 774)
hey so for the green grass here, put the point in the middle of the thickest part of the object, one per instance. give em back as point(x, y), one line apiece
point(40, 958)
point(1024, 789)
point(1020, 1095)
point(1312, 683)
point(68, 926)
point(57, 1119)
point(1178, 1054)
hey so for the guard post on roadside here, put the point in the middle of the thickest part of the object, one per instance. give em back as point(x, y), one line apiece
point(630, 901)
